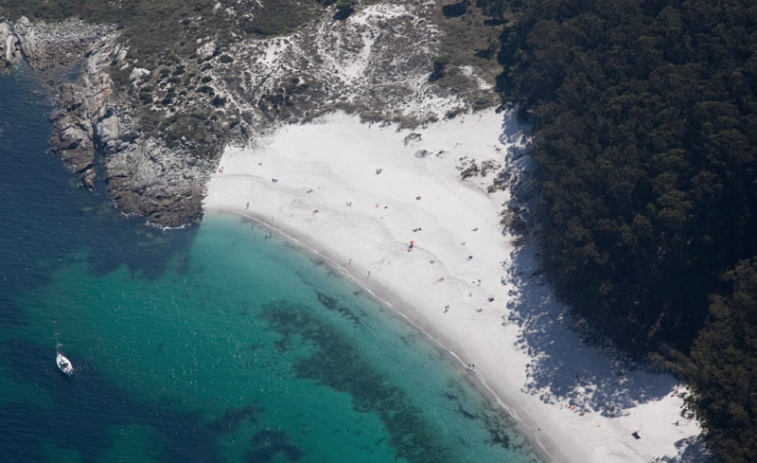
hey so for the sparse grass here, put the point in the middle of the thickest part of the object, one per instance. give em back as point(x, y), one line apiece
point(165, 30)
point(280, 17)
point(470, 39)
point(162, 37)
point(154, 29)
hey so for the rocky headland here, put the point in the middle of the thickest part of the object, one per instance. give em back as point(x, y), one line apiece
point(153, 129)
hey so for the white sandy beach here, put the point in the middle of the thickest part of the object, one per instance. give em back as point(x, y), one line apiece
point(361, 194)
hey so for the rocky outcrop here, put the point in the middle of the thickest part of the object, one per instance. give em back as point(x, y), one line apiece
point(93, 124)
point(80, 105)
point(149, 179)
point(157, 135)
point(143, 176)
point(10, 48)
point(50, 45)
point(72, 138)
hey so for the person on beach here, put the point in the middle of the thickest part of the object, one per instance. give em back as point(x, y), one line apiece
point(247, 206)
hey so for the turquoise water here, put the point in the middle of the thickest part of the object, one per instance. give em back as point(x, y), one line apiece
point(210, 344)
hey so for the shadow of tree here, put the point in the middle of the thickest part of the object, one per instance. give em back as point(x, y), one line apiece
point(569, 367)
point(690, 450)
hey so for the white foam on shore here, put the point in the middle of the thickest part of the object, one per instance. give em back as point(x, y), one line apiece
point(355, 193)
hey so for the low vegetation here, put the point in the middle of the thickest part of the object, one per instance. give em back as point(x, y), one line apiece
point(469, 40)
point(440, 65)
point(162, 37)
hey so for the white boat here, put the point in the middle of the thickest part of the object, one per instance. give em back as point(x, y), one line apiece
point(64, 364)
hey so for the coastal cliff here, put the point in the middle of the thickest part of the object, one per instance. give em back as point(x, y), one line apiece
point(153, 128)
point(142, 175)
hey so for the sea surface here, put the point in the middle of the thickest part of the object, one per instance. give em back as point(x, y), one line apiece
point(209, 344)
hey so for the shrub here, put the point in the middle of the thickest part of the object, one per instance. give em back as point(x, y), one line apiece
point(440, 66)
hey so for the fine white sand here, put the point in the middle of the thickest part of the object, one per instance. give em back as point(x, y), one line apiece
point(320, 184)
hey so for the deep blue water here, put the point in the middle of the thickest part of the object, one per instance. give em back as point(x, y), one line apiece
point(207, 344)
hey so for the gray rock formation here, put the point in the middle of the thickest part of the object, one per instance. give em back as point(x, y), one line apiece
point(47, 46)
point(72, 135)
point(158, 133)
point(143, 176)
point(10, 48)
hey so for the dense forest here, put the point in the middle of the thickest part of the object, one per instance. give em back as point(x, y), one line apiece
point(645, 140)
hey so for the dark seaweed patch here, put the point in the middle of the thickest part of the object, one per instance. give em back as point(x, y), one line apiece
point(333, 305)
point(338, 364)
point(327, 301)
point(268, 437)
point(90, 404)
point(272, 443)
point(266, 454)
point(467, 414)
point(234, 417)
point(499, 437)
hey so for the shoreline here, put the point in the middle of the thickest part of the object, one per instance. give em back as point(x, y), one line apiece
point(388, 208)
point(545, 450)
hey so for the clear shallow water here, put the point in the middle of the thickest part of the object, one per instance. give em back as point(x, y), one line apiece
point(210, 344)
